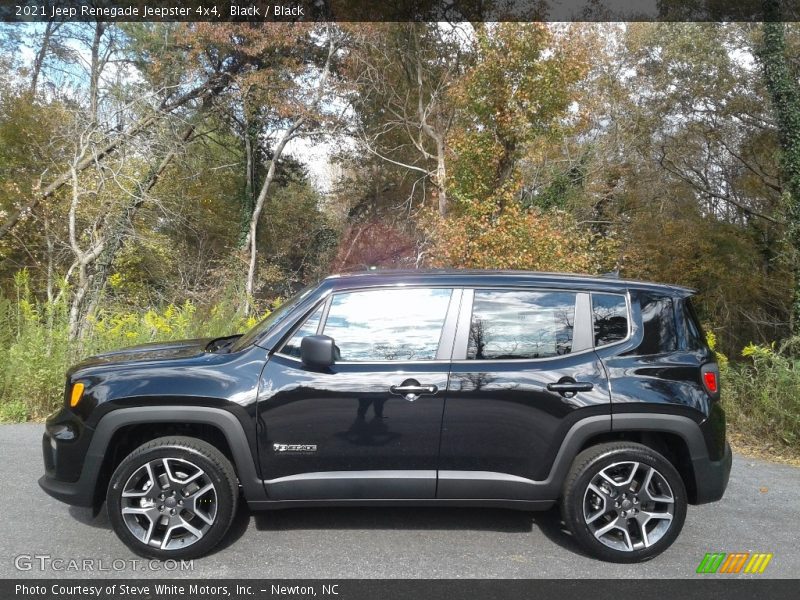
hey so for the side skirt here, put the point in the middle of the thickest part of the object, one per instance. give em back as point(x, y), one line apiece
point(525, 505)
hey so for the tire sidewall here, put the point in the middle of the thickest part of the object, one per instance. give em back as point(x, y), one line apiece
point(574, 507)
point(225, 501)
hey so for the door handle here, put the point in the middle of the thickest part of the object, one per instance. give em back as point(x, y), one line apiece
point(569, 388)
point(412, 390)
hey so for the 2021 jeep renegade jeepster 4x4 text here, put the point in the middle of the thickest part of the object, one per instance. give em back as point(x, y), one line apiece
point(504, 389)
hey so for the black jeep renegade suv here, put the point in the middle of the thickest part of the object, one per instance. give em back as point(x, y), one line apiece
point(505, 389)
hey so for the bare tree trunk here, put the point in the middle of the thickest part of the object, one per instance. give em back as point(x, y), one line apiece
point(441, 175)
point(82, 257)
point(38, 62)
point(49, 241)
point(292, 132)
point(436, 136)
point(95, 69)
point(252, 236)
point(249, 185)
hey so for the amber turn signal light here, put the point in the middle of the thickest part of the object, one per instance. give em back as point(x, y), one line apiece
point(75, 397)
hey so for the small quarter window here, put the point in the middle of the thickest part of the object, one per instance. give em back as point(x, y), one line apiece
point(292, 347)
point(658, 320)
point(610, 313)
point(696, 339)
point(508, 324)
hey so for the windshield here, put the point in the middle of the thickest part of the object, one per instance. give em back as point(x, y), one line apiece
point(275, 317)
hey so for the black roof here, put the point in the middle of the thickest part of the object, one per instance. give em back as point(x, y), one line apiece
point(489, 278)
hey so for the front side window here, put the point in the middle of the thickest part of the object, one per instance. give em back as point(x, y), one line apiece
point(387, 325)
point(610, 315)
point(510, 324)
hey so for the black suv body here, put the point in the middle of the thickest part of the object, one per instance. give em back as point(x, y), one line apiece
point(508, 389)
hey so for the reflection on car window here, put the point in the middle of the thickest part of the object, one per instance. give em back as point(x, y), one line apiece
point(658, 319)
point(610, 318)
point(380, 325)
point(510, 324)
point(292, 347)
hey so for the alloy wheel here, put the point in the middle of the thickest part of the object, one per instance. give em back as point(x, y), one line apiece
point(628, 506)
point(169, 503)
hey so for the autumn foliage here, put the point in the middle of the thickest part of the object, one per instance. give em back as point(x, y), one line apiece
point(517, 239)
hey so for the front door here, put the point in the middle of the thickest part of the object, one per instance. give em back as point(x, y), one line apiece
point(523, 372)
point(367, 427)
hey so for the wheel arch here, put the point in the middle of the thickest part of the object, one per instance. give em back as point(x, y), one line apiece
point(678, 438)
point(122, 430)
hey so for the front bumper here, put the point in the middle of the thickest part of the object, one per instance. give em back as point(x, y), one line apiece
point(69, 492)
point(70, 469)
point(711, 477)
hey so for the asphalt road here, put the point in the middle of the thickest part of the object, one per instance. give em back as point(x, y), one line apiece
point(760, 513)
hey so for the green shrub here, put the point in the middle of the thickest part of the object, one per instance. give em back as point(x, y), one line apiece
point(14, 411)
point(36, 351)
point(762, 394)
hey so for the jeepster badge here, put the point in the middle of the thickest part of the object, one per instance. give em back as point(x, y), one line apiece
point(294, 447)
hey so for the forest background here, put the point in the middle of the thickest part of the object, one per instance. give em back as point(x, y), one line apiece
point(170, 180)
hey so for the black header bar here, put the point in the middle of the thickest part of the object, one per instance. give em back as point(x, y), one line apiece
point(398, 10)
point(698, 588)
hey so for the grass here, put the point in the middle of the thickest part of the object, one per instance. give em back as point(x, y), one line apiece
point(35, 350)
point(761, 396)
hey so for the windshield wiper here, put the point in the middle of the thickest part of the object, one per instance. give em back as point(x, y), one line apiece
point(222, 343)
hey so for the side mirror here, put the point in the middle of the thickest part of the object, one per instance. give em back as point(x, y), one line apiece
point(317, 351)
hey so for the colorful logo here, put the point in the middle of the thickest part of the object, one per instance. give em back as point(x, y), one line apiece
point(735, 562)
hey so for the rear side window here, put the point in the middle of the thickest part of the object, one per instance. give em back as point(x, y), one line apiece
point(658, 321)
point(510, 324)
point(610, 315)
point(388, 325)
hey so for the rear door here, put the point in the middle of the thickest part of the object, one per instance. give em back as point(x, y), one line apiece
point(523, 372)
point(368, 426)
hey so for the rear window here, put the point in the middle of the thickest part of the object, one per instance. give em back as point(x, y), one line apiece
point(511, 324)
point(658, 321)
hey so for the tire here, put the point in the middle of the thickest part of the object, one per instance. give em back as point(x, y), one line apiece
point(610, 511)
point(179, 496)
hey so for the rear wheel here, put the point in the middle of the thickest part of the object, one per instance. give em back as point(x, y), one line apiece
point(173, 497)
point(623, 502)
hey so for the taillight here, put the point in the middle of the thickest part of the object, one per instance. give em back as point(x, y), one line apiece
point(709, 374)
point(710, 379)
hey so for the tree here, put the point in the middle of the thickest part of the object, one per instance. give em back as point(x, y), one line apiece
point(518, 92)
point(781, 79)
point(403, 77)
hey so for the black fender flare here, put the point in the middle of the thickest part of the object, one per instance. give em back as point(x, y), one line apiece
point(709, 477)
point(223, 420)
point(684, 427)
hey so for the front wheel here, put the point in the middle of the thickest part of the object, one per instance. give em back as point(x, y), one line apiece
point(172, 498)
point(623, 502)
